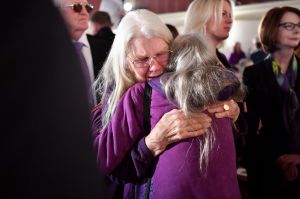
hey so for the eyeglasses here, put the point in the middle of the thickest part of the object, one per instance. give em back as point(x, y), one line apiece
point(289, 25)
point(77, 7)
point(162, 58)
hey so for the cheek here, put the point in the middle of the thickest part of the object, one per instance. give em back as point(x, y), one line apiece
point(140, 74)
point(281, 37)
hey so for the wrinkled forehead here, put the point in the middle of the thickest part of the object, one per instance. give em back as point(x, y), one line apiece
point(145, 46)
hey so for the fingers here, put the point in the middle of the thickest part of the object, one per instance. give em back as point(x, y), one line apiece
point(191, 123)
point(180, 135)
point(228, 109)
point(175, 126)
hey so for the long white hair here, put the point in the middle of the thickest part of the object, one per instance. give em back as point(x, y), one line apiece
point(115, 77)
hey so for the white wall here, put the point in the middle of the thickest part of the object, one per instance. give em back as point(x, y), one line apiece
point(243, 31)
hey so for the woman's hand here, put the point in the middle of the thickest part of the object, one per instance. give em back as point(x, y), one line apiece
point(175, 126)
point(228, 109)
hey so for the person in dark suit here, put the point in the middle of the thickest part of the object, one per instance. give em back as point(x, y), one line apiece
point(45, 137)
point(76, 16)
point(259, 55)
point(273, 139)
point(102, 39)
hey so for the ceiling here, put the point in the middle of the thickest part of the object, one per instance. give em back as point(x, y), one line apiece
point(168, 6)
point(244, 2)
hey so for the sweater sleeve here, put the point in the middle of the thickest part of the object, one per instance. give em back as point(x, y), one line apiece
point(121, 148)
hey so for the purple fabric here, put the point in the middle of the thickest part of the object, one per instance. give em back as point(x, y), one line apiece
point(234, 58)
point(177, 173)
point(125, 131)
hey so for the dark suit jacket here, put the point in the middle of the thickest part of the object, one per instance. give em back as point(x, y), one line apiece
point(100, 46)
point(265, 103)
point(45, 138)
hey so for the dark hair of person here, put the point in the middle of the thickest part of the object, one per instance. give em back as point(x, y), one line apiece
point(268, 27)
point(173, 30)
point(101, 17)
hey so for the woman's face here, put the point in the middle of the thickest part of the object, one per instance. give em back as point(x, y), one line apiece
point(217, 32)
point(148, 57)
point(289, 31)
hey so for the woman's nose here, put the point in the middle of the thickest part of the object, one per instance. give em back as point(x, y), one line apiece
point(154, 65)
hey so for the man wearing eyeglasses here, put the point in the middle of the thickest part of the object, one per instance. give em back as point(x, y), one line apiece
point(76, 14)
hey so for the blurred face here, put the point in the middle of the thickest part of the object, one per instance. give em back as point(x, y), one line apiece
point(237, 46)
point(217, 32)
point(95, 27)
point(148, 57)
point(289, 31)
point(76, 18)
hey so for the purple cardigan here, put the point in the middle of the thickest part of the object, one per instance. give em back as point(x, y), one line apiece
point(176, 173)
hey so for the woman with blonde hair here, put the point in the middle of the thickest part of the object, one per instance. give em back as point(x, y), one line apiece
point(213, 19)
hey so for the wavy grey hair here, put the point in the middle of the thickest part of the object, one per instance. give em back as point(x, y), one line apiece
point(200, 11)
point(197, 80)
point(115, 77)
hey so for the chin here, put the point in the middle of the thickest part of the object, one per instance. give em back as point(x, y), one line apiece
point(226, 35)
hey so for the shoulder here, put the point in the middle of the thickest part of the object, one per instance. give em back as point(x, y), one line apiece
point(89, 36)
point(91, 39)
point(223, 59)
point(258, 67)
point(137, 88)
point(256, 72)
point(135, 93)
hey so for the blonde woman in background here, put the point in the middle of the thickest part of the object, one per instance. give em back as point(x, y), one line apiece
point(213, 18)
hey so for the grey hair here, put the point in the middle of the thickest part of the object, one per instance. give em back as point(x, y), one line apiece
point(199, 12)
point(197, 81)
point(115, 77)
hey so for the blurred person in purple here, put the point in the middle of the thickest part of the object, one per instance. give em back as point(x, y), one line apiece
point(236, 55)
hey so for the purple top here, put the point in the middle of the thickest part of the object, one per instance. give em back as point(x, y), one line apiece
point(234, 58)
point(177, 173)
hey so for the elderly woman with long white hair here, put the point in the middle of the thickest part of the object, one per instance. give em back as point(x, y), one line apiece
point(127, 147)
